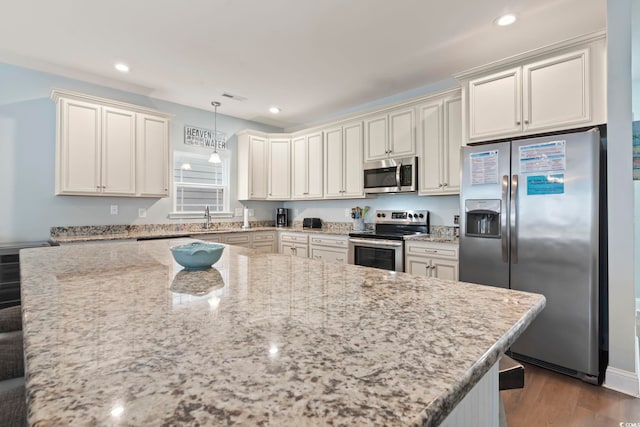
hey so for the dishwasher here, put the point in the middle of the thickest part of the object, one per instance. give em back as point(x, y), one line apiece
point(10, 271)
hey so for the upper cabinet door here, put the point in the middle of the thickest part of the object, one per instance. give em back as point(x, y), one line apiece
point(353, 185)
point(494, 105)
point(376, 135)
point(402, 140)
point(153, 155)
point(78, 150)
point(431, 137)
point(557, 91)
point(257, 167)
point(279, 169)
point(118, 151)
point(452, 144)
point(299, 184)
point(333, 163)
point(314, 166)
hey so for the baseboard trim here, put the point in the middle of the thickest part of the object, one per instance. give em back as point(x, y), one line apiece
point(623, 381)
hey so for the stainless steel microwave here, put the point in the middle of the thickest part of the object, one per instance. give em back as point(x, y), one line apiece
point(391, 176)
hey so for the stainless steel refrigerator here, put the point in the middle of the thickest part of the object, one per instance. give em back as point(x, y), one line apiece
point(530, 221)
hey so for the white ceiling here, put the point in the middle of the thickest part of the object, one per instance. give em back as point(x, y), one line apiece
point(311, 58)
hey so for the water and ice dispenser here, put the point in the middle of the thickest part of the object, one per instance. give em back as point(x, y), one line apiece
point(482, 218)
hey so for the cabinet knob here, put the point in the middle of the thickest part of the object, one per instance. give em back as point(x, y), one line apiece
point(518, 122)
point(445, 184)
point(166, 189)
point(104, 186)
point(526, 122)
point(439, 185)
point(433, 267)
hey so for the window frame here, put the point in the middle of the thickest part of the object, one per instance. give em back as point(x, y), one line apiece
point(225, 156)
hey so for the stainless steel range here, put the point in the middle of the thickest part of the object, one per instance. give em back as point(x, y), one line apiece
point(383, 247)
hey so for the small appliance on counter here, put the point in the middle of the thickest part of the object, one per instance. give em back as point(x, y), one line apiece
point(311, 223)
point(282, 217)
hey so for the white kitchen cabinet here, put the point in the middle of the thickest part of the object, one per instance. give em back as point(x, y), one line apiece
point(432, 259)
point(108, 148)
point(440, 139)
point(307, 167)
point(279, 169)
point(253, 151)
point(153, 153)
point(390, 135)
point(328, 247)
point(551, 89)
point(343, 176)
point(296, 244)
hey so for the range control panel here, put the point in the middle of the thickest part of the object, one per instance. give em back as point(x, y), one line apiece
point(401, 217)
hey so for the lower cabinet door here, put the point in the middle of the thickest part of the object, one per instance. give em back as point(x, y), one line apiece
point(263, 247)
point(301, 251)
point(444, 269)
point(326, 254)
point(419, 266)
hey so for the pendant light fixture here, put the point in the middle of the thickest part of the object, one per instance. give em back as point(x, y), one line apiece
point(215, 157)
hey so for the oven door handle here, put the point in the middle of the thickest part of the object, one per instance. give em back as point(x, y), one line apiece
point(377, 243)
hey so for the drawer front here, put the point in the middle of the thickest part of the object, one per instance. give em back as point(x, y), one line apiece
point(440, 250)
point(217, 238)
point(238, 240)
point(329, 255)
point(294, 237)
point(263, 237)
point(336, 242)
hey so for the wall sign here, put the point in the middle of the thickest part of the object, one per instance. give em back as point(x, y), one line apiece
point(204, 138)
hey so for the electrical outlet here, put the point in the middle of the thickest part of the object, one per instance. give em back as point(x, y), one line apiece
point(347, 213)
point(456, 219)
point(251, 212)
point(114, 209)
point(238, 212)
point(142, 213)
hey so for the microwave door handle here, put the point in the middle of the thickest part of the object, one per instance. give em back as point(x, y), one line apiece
point(398, 168)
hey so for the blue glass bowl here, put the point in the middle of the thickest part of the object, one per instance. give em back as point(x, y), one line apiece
point(197, 255)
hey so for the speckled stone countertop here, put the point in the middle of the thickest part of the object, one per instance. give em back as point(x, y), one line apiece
point(105, 233)
point(118, 334)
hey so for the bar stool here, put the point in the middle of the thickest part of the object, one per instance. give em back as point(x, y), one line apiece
point(510, 376)
point(13, 407)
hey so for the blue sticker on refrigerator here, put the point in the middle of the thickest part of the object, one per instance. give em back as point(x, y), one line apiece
point(540, 185)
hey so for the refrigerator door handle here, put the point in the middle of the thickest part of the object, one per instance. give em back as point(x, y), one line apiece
point(503, 219)
point(514, 220)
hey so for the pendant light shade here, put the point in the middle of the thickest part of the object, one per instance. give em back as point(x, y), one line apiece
point(215, 157)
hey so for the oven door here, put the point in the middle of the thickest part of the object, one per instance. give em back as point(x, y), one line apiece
point(377, 253)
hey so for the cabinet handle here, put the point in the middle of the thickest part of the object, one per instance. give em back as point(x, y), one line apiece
point(445, 184)
point(439, 185)
point(166, 189)
point(270, 194)
point(98, 187)
point(433, 267)
point(526, 122)
point(104, 186)
point(429, 251)
point(518, 122)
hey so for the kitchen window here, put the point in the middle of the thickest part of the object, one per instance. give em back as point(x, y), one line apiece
point(197, 183)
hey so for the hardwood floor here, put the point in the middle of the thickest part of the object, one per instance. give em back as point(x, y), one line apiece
point(552, 399)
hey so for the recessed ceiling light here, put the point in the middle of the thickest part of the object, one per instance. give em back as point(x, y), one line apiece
point(123, 68)
point(274, 110)
point(505, 20)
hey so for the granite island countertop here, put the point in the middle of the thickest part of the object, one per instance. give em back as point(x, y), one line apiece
point(118, 334)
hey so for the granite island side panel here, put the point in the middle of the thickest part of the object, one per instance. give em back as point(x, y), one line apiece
point(112, 338)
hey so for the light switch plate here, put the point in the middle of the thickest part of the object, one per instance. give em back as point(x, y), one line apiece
point(142, 213)
point(114, 209)
point(251, 212)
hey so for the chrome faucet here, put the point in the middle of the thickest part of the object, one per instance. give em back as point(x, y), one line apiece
point(207, 217)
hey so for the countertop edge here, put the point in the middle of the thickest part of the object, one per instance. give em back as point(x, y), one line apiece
point(441, 407)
